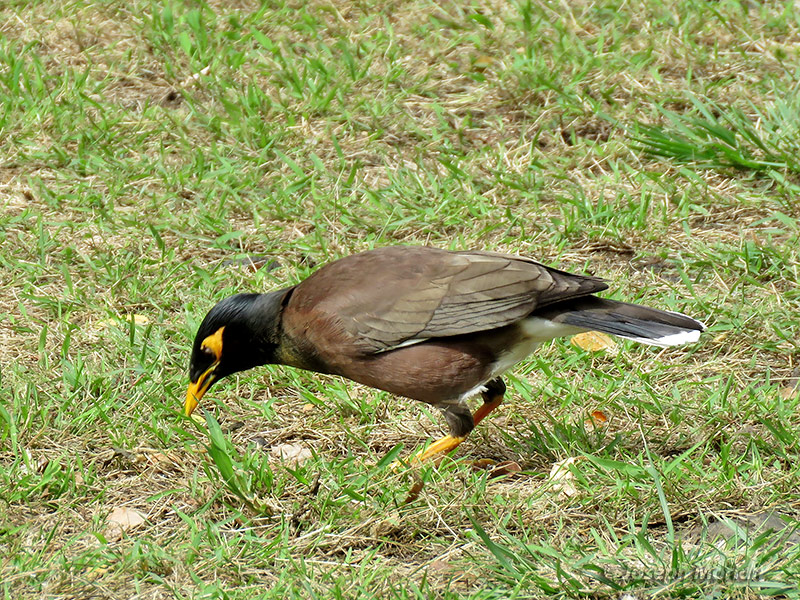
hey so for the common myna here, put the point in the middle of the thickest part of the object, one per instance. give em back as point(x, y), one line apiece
point(419, 322)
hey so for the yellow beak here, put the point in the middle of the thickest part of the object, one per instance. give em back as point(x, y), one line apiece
point(191, 399)
point(197, 390)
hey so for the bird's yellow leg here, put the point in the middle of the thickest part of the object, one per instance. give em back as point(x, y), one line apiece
point(485, 408)
point(439, 447)
point(450, 442)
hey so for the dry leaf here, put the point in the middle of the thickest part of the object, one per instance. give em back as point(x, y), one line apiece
point(391, 524)
point(508, 467)
point(594, 341)
point(95, 573)
point(123, 319)
point(483, 62)
point(291, 454)
point(599, 419)
point(122, 519)
point(159, 457)
point(563, 478)
point(495, 469)
point(161, 460)
point(792, 387)
point(439, 565)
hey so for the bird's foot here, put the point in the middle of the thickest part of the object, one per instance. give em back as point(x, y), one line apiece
point(437, 449)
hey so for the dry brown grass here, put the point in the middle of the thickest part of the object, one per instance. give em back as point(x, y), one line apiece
point(453, 134)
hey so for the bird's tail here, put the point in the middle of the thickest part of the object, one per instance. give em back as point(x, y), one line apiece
point(640, 323)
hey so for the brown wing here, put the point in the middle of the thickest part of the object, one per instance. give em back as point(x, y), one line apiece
point(395, 296)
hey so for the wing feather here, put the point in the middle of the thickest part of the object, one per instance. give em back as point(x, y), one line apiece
point(457, 293)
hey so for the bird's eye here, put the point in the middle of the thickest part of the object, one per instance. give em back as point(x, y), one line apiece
point(212, 345)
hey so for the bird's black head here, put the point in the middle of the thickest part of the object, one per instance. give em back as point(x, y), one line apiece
point(239, 333)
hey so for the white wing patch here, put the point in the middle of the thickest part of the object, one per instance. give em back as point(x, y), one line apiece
point(675, 339)
point(535, 331)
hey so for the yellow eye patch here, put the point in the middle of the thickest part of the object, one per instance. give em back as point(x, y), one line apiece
point(213, 343)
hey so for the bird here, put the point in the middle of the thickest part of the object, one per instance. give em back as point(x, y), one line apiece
point(433, 325)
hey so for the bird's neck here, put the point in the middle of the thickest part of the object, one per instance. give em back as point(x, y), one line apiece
point(265, 325)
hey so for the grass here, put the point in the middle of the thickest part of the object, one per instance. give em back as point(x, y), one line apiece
point(152, 149)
